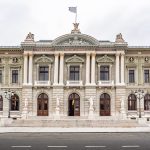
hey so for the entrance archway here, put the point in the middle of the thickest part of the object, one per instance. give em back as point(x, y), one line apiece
point(42, 105)
point(104, 105)
point(74, 105)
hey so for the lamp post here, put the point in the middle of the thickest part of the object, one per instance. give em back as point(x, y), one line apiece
point(8, 95)
point(139, 95)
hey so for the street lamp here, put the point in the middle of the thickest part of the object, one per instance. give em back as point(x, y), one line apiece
point(8, 95)
point(139, 95)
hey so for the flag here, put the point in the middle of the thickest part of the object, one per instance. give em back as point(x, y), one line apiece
point(73, 9)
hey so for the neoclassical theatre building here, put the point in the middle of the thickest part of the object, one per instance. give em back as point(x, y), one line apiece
point(74, 76)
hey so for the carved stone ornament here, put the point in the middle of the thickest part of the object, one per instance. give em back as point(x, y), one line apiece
point(131, 59)
point(105, 59)
point(119, 38)
point(14, 60)
point(76, 29)
point(30, 37)
point(43, 59)
point(146, 59)
point(75, 41)
point(75, 59)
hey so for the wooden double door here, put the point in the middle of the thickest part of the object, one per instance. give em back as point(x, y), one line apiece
point(42, 105)
point(74, 105)
point(105, 105)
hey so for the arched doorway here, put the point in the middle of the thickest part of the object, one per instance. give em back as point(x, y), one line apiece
point(14, 103)
point(42, 105)
point(74, 105)
point(105, 105)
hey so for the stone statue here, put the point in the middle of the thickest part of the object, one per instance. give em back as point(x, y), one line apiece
point(57, 109)
point(26, 103)
point(30, 37)
point(119, 38)
point(91, 103)
point(122, 103)
point(76, 29)
point(57, 102)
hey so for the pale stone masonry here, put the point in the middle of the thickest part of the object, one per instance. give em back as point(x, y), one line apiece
point(74, 68)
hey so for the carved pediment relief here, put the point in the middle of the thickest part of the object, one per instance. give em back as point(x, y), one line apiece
point(105, 59)
point(75, 59)
point(75, 40)
point(43, 59)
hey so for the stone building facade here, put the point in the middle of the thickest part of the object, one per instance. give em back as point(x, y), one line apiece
point(74, 75)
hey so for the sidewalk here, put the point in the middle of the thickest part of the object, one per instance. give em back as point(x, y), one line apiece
point(48, 129)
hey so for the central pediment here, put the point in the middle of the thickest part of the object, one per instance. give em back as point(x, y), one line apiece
point(75, 39)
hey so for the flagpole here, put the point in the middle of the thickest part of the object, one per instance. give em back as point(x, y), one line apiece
point(76, 15)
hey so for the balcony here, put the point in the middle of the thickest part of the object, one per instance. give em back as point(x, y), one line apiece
point(74, 83)
point(106, 83)
point(42, 83)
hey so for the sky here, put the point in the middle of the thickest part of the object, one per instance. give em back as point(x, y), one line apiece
point(49, 19)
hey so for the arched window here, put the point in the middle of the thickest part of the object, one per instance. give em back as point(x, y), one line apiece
point(147, 102)
point(1, 103)
point(15, 102)
point(132, 102)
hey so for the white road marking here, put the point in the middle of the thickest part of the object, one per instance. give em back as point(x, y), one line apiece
point(57, 146)
point(131, 146)
point(94, 146)
point(20, 146)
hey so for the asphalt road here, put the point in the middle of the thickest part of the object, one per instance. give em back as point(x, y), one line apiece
point(75, 141)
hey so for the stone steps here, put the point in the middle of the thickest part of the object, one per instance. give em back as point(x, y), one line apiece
point(67, 123)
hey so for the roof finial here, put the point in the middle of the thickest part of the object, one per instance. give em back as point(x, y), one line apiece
point(76, 30)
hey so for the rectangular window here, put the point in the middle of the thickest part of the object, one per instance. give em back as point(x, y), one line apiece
point(146, 76)
point(104, 73)
point(74, 73)
point(131, 76)
point(14, 76)
point(0, 76)
point(43, 73)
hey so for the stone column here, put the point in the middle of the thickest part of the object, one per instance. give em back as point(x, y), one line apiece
point(49, 74)
point(30, 68)
point(56, 69)
point(99, 78)
point(80, 74)
point(37, 71)
point(87, 68)
point(110, 72)
point(122, 68)
point(68, 72)
point(93, 69)
point(61, 72)
point(25, 68)
point(117, 69)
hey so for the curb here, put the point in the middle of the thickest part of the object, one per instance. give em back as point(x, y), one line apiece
point(73, 130)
